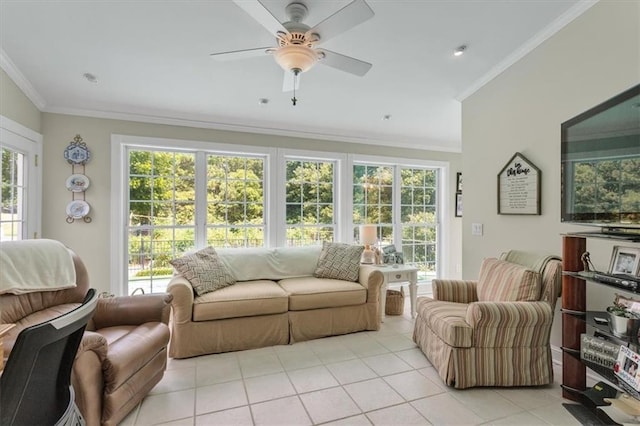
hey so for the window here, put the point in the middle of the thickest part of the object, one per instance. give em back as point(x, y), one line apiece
point(410, 221)
point(161, 214)
point(20, 202)
point(419, 218)
point(373, 199)
point(12, 217)
point(309, 202)
point(235, 201)
point(185, 195)
point(164, 208)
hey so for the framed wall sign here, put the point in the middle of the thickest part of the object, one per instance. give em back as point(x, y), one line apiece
point(458, 194)
point(458, 182)
point(519, 187)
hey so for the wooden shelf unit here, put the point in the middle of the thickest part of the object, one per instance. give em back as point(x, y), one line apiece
point(574, 311)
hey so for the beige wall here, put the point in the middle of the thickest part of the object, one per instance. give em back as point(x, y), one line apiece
point(14, 104)
point(92, 240)
point(592, 59)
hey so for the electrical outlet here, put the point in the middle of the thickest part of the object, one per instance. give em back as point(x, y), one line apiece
point(476, 229)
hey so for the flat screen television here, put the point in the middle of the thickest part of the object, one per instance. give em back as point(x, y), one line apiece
point(600, 165)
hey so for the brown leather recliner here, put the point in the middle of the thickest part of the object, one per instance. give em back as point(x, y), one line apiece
point(123, 353)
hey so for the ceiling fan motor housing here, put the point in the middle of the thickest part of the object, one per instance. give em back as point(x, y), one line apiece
point(296, 11)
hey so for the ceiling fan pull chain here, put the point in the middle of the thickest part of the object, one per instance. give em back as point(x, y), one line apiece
point(294, 100)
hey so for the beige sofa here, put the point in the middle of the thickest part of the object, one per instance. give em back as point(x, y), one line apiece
point(275, 301)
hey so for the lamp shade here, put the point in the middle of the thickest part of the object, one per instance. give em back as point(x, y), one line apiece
point(295, 56)
point(368, 234)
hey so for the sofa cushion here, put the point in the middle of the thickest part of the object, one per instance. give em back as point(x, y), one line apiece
point(244, 299)
point(316, 293)
point(248, 264)
point(502, 281)
point(204, 270)
point(446, 320)
point(339, 261)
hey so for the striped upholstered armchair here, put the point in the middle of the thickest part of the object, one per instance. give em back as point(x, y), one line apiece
point(493, 331)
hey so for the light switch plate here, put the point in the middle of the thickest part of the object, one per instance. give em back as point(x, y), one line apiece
point(476, 229)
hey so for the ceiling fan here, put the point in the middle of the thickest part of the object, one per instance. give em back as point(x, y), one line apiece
point(296, 50)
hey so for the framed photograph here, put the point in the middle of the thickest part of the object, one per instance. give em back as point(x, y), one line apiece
point(458, 204)
point(626, 367)
point(458, 182)
point(625, 260)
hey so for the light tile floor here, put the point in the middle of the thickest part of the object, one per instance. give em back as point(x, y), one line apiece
point(378, 378)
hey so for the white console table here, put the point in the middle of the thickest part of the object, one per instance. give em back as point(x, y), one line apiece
point(399, 274)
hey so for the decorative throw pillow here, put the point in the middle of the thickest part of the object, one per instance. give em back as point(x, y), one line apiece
point(339, 261)
point(204, 270)
point(502, 281)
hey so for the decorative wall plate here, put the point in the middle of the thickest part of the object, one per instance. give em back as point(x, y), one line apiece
point(78, 209)
point(78, 183)
point(77, 151)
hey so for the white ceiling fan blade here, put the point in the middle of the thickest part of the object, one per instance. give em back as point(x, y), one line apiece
point(288, 81)
point(261, 14)
point(344, 63)
point(346, 18)
point(232, 55)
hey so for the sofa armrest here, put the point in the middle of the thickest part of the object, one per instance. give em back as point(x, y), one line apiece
point(182, 303)
point(132, 310)
point(510, 324)
point(87, 378)
point(92, 341)
point(371, 279)
point(459, 291)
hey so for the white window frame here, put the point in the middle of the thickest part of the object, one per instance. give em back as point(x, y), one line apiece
point(281, 196)
point(19, 138)
point(442, 212)
point(119, 190)
point(274, 192)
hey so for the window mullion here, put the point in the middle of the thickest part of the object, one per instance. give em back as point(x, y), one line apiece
point(201, 199)
point(344, 197)
point(395, 208)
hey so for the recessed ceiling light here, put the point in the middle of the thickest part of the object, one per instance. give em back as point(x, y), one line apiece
point(386, 117)
point(90, 77)
point(460, 50)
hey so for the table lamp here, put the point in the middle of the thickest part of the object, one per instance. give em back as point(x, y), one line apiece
point(368, 237)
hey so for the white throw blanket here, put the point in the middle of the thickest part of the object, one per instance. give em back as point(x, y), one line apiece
point(35, 265)
point(534, 261)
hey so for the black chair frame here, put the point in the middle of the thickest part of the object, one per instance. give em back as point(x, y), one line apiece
point(35, 386)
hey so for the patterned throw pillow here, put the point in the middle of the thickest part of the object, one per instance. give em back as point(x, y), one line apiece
point(502, 281)
point(339, 261)
point(204, 270)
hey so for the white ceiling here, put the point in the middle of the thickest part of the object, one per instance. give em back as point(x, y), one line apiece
point(152, 62)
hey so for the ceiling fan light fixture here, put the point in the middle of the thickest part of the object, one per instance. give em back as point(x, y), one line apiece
point(298, 57)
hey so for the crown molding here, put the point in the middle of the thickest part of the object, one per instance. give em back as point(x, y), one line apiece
point(535, 41)
point(21, 81)
point(245, 128)
point(14, 127)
